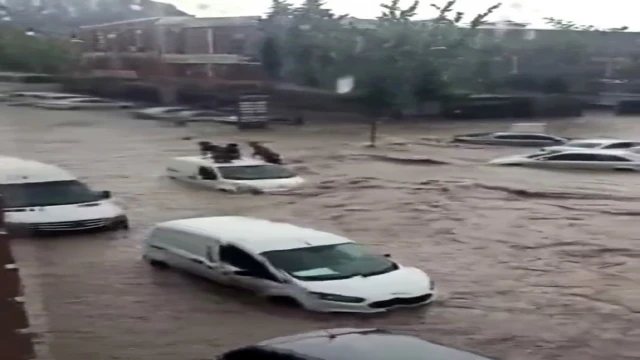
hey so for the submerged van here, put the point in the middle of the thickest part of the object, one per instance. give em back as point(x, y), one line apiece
point(44, 198)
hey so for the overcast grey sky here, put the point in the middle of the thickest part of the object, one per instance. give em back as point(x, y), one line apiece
point(609, 13)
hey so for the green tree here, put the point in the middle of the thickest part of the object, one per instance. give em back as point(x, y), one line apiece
point(21, 52)
point(271, 57)
point(561, 24)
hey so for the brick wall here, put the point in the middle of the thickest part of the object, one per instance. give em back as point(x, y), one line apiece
point(15, 341)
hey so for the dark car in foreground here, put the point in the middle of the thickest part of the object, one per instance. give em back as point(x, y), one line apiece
point(348, 344)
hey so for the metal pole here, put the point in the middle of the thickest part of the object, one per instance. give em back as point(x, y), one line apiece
point(15, 340)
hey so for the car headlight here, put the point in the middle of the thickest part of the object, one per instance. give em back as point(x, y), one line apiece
point(339, 298)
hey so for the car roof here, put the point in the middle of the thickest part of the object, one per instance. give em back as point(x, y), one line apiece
point(364, 344)
point(87, 98)
point(15, 170)
point(206, 161)
point(599, 141)
point(619, 152)
point(257, 235)
point(520, 133)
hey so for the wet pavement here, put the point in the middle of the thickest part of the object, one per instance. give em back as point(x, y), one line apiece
point(530, 264)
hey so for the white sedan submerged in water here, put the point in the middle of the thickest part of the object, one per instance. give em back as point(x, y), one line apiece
point(158, 112)
point(603, 144)
point(511, 139)
point(619, 160)
point(83, 103)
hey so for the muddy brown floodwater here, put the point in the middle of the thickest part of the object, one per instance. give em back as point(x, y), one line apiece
point(530, 264)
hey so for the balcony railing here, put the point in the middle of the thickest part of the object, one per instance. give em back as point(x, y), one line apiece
point(178, 58)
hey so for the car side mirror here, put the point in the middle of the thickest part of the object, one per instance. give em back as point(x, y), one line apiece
point(106, 194)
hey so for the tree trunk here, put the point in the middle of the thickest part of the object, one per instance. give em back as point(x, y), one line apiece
point(373, 132)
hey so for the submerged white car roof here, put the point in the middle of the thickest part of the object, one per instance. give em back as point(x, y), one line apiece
point(163, 108)
point(621, 152)
point(595, 141)
point(16, 171)
point(206, 161)
point(254, 234)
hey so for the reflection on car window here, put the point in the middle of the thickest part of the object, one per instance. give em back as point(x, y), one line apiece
point(255, 172)
point(47, 194)
point(586, 145)
point(329, 262)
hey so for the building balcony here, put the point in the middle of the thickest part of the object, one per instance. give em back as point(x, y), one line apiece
point(176, 58)
point(206, 59)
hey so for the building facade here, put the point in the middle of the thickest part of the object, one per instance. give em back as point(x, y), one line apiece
point(202, 49)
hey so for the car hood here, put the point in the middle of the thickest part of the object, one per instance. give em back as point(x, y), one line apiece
point(404, 282)
point(268, 185)
point(60, 213)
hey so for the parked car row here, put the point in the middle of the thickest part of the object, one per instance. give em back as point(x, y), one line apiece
point(316, 270)
point(62, 101)
point(588, 154)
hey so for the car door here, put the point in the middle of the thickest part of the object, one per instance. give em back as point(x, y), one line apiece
point(208, 265)
point(242, 269)
point(615, 162)
point(209, 177)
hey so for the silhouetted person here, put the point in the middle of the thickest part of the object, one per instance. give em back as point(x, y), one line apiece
point(265, 153)
point(233, 152)
point(208, 148)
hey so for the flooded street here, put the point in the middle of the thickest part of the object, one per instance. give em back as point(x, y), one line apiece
point(530, 264)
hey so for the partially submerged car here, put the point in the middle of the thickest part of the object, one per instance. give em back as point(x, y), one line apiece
point(619, 160)
point(245, 175)
point(43, 198)
point(604, 144)
point(207, 116)
point(348, 344)
point(30, 98)
point(511, 139)
point(158, 112)
point(83, 103)
point(292, 265)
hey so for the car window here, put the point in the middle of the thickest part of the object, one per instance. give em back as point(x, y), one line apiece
point(586, 145)
point(256, 353)
point(612, 158)
point(573, 157)
point(207, 173)
point(527, 137)
point(241, 259)
point(620, 145)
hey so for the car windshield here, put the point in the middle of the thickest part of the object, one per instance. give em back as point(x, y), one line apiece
point(47, 194)
point(329, 262)
point(586, 145)
point(255, 172)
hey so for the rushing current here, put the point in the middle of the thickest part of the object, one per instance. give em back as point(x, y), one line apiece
point(530, 264)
